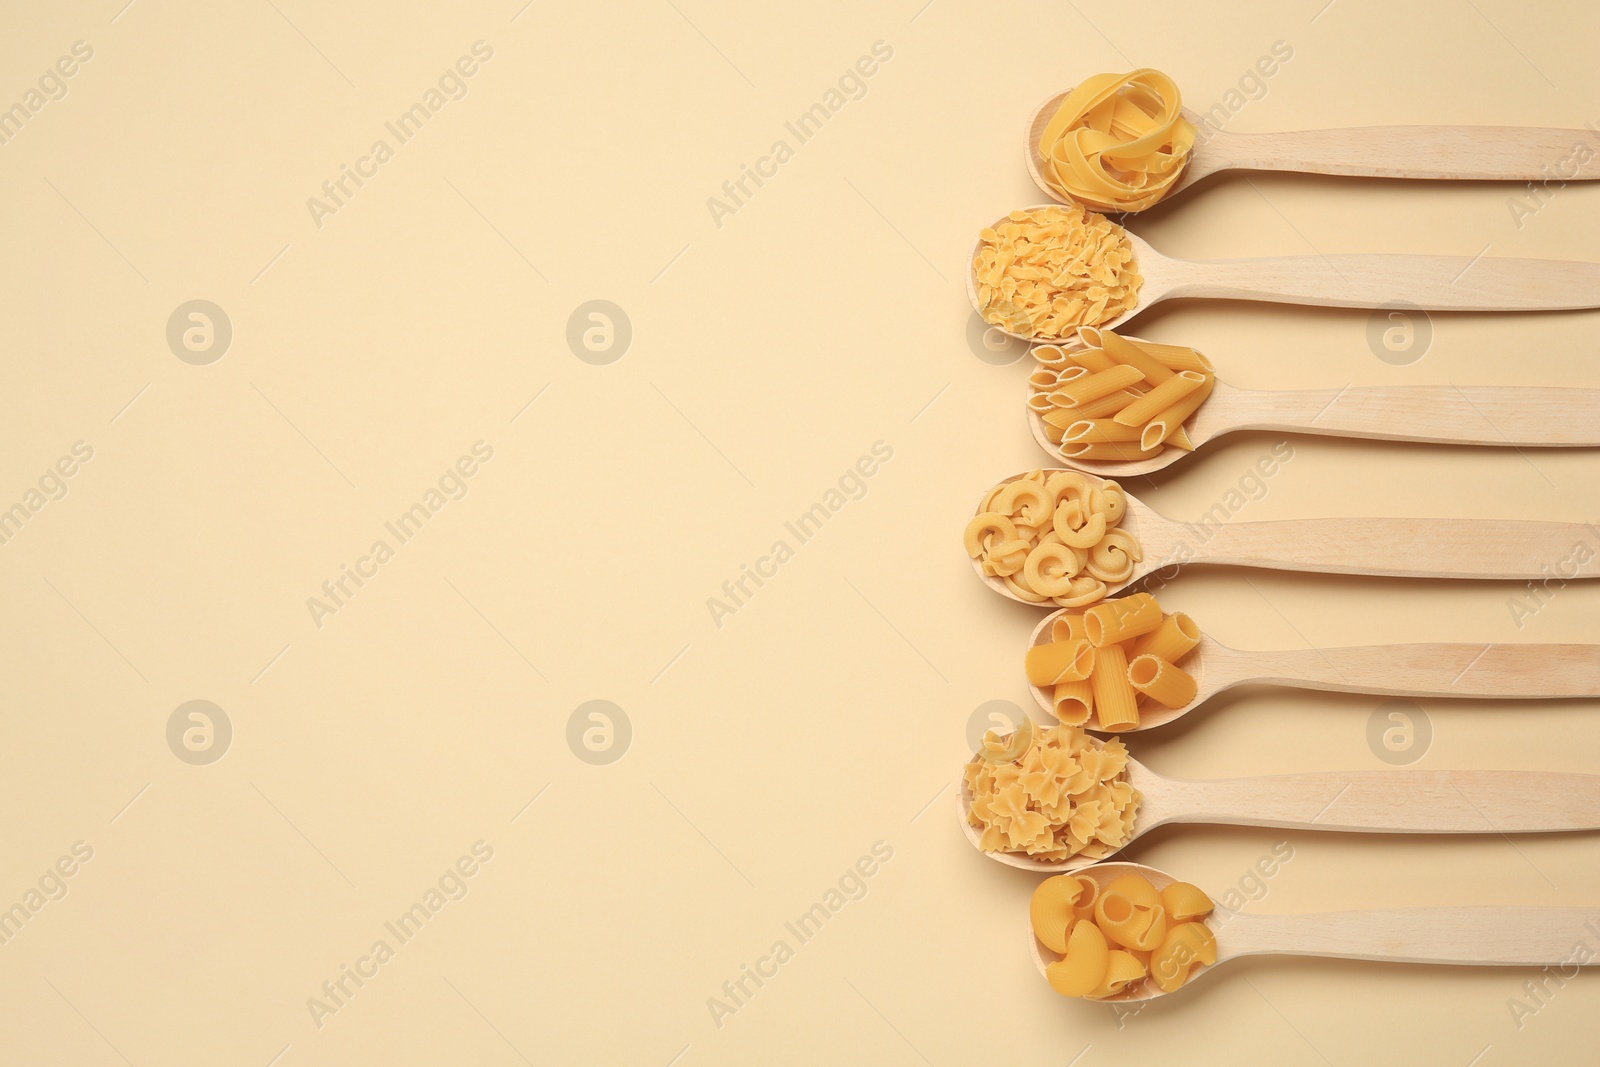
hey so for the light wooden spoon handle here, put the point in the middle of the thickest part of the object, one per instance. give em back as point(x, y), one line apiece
point(1491, 936)
point(1445, 283)
point(1485, 153)
point(1524, 416)
point(1407, 548)
point(1393, 801)
point(1432, 670)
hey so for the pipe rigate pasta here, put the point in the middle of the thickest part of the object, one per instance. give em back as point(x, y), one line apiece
point(1053, 538)
point(1112, 939)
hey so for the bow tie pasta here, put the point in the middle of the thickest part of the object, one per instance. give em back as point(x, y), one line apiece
point(1060, 794)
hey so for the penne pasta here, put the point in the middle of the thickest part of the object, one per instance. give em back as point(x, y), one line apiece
point(1080, 391)
point(1100, 432)
point(1159, 399)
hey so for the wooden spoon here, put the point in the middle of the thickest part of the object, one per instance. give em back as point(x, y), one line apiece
point(1504, 549)
point(1471, 153)
point(1487, 671)
point(1471, 936)
point(1361, 280)
point(1368, 802)
point(1514, 417)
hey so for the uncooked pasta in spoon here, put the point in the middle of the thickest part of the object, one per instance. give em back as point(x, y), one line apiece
point(1046, 271)
point(1118, 142)
point(1051, 793)
point(1052, 538)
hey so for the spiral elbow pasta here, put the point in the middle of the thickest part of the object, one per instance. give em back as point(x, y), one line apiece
point(1118, 142)
point(1110, 662)
point(1116, 399)
point(1112, 939)
point(1054, 538)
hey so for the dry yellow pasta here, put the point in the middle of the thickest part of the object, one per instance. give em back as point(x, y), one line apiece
point(1124, 400)
point(1073, 702)
point(1115, 702)
point(1159, 680)
point(1111, 939)
point(1053, 538)
point(1118, 620)
point(1062, 794)
point(1176, 637)
point(1060, 661)
point(1113, 695)
point(1046, 271)
point(1118, 142)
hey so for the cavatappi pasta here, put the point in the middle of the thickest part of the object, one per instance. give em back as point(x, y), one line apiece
point(1118, 142)
point(1060, 793)
point(1115, 398)
point(1119, 656)
point(1112, 939)
point(1052, 538)
point(1045, 271)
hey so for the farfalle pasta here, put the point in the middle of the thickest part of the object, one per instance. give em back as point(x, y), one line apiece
point(1115, 658)
point(1118, 142)
point(1064, 794)
point(1117, 399)
point(1043, 272)
point(1052, 538)
point(1112, 940)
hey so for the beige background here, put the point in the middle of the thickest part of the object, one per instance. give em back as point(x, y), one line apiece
point(768, 354)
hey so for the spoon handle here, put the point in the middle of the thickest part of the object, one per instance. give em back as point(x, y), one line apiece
point(1483, 153)
point(1519, 549)
point(1441, 283)
point(1521, 416)
point(1392, 801)
point(1508, 672)
point(1483, 936)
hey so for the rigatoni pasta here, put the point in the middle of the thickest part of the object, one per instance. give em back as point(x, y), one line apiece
point(1131, 649)
point(1117, 399)
point(1111, 940)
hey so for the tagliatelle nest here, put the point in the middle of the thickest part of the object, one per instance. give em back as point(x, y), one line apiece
point(1065, 795)
point(1046, 271)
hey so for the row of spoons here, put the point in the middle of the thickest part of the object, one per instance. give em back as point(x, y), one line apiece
point(1384, 801)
